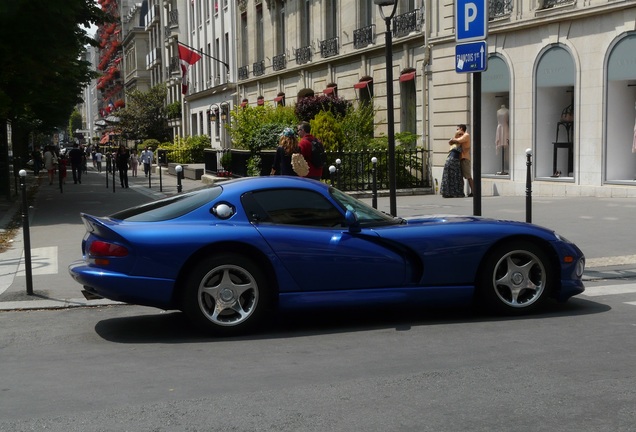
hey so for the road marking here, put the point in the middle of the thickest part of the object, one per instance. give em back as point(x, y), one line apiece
point(610, 290)
point(610, 261)
point(43, 262)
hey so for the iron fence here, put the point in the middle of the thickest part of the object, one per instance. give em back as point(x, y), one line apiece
point(353, 173)
point(355, 170)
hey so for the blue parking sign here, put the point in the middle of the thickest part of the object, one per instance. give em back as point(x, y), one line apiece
point(471, 20)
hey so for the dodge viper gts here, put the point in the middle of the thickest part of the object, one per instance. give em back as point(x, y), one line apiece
point(231, 254)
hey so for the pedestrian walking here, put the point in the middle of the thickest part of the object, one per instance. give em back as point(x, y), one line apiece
point(452, 181)
point(123, 159)
point(76, 156)
point(463, 140)
point(134, 163)
point(37, 161)
point(287, 146)
point(146, 159)
point(306, 148)
point(50, 162)
point(98, 160)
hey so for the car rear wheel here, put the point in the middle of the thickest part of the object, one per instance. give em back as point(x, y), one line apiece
point(226, 295)
point(515, 278)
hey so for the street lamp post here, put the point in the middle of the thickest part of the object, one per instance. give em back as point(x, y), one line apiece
point(389, 98)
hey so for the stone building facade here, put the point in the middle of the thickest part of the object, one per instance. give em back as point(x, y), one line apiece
point(564, 69)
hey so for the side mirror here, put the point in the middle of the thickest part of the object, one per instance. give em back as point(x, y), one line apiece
point(352, 222)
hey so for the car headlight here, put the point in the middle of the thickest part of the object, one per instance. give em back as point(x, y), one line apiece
point(580, 267)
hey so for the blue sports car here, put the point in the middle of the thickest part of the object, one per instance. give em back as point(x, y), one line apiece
point(230, 254)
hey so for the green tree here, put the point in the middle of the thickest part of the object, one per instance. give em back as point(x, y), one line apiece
point(145, 115)
point(257, 128)
point(74, 122)
point(42, 73)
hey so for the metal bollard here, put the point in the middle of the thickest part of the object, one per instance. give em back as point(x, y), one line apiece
point(529, 185)
point(374, 172)
point(107, 168)
point(114, 168)
point(160, 178)
point(178, 170)
point(332, 171)
point(338, 168)
point(26, 234)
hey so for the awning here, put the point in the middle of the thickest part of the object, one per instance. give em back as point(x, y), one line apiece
point(279, 98)
point(106, 137)
point(243, 104)
point(362, 84)
point(409, 76)
point(329, 90)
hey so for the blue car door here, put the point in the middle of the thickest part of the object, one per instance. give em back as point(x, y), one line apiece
point(306, 232)
point(333, 259)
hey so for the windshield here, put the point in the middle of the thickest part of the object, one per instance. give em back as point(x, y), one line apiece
point(169, 208)
point(367, 215)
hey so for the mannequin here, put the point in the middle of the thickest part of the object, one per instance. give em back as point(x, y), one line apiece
point(502, 136)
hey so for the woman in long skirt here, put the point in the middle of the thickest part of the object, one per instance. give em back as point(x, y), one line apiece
point(452, 180)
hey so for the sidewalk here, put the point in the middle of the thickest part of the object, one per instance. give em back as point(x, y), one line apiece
point(601, 227)
point(56, 231)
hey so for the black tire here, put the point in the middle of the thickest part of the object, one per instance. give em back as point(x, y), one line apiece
point(516, 278)
point(226, 295)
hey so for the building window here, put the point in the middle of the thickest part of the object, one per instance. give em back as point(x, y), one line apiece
point(280, 31)
point(365, 13)
point(331, 18)
point(305, 23)
point(260, 46)
point(364, 90)
point(408, 102)
point(244, 40)
point(280, 99)
point(217, 49)
point(331, 90)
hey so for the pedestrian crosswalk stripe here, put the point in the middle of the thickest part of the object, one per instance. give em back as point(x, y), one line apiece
point(43, 262)
point(610, 290)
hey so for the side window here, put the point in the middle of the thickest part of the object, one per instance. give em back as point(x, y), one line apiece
point(291, 207)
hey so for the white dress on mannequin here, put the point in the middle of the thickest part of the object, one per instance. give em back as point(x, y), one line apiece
point(502, 136)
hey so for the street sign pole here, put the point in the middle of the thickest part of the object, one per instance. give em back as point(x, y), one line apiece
point(471, 25)
point(477, 144)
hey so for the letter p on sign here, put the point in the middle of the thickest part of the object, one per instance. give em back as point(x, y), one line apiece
point(471, 20)
point(470, 15)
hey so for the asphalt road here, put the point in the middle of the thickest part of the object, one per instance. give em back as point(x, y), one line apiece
point(131, 368)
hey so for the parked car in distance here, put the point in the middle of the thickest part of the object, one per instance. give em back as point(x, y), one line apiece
point(231, 254)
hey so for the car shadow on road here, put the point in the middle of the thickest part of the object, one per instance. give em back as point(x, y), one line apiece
point(174, 327)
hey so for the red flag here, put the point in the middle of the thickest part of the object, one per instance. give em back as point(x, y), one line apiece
point(187, 58)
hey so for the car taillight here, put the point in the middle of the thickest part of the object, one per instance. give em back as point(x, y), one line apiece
point(105, 249)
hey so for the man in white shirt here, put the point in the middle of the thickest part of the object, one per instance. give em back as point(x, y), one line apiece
point(146, 159)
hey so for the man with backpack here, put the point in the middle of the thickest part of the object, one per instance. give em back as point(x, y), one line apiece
point(312, 150)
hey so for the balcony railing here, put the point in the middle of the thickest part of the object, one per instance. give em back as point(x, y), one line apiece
point(303, 55)
point(551, 3)
point(173, 18)
point(152, 16)
point(258, 68)
point(329, 47)
point(153, 57)
point(363, 37)
point(243, 73)
point(174, 67)
point(499, 8)
point(279, 62)
point(407, 23)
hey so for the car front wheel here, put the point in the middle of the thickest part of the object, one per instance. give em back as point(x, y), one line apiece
point(226, 295)
point(515, 278)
